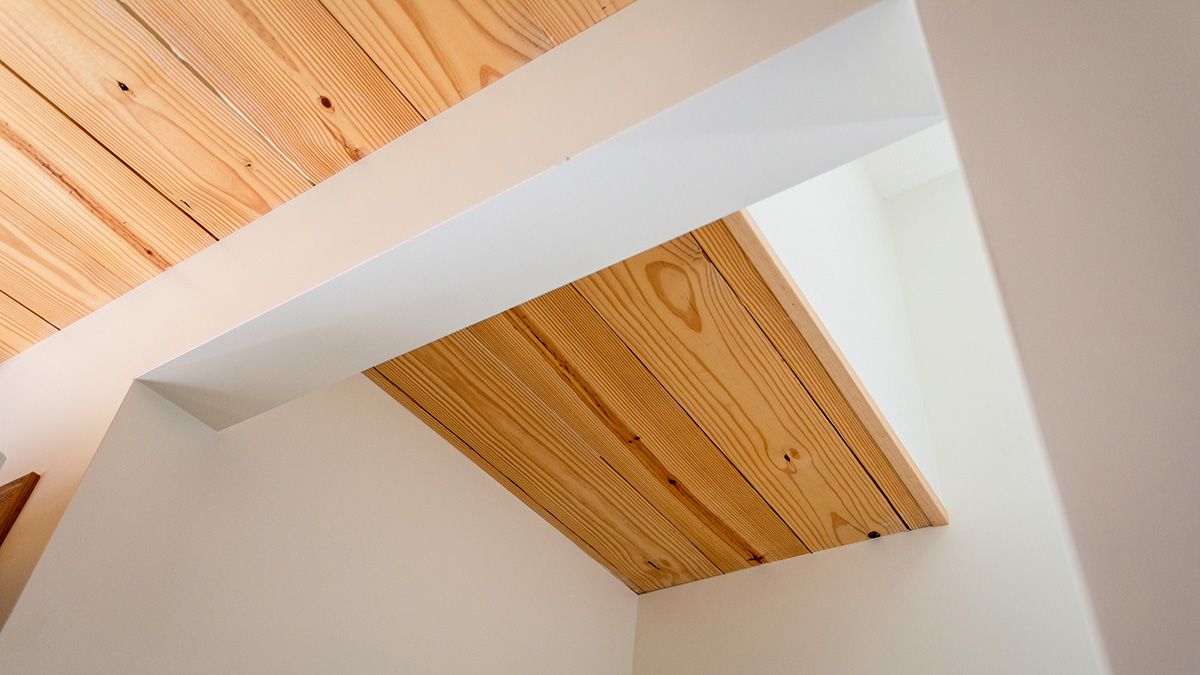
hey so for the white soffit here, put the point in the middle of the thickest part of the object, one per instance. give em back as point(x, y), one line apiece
point(570, 197)
point(907, 163)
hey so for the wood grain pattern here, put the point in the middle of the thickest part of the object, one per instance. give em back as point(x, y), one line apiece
point(673, 308)
point(12, 499)
point(478, 399)
point(563, 19)
point(112, 76)
point(736, 246)
point(560, 348)
point(438, 52)
point(67, 180)
point(19, 327)
point(292, 71)
point(670, 395)
point(45, 273)
point(376, 375)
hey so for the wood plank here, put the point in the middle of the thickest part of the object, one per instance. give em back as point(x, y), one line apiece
point(673, 308)
point(747, 262)
point(405, 400)
point(45, 273)
point(563, 19)
point(439, 52)
point(13, 496)
point(470, 392)
point(19, 327)
point(107, 72)
point(292, 71)
point(73, 184)
point(565, 353)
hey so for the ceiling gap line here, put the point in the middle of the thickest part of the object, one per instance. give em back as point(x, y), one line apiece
point(803, 386)
point(114, 155)
point(697, 423)
point(584, 443)
point(373, 62)
point(28, 309)
point(211, 87)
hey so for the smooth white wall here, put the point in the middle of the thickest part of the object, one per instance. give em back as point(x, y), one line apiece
point(337, 533)
point(996, 591)
point(58, 397)
point(1078, 128)
point(832, 233)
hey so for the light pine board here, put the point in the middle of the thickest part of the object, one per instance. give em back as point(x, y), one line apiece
point(45, 273)
point(438, 52)
point(377, 376)
point(70, 182)
point(673, 308)
point(113, 77)
point(563, 19)
point(735, 246)
point(19, 327)
point(574, 362)
point(477, 398)
point(679, 372)
point(292, 71)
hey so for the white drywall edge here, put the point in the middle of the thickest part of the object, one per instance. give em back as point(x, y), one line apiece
point(566, 201)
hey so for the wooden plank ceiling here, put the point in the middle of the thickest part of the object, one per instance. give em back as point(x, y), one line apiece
point(134, 133)
point(678, 415)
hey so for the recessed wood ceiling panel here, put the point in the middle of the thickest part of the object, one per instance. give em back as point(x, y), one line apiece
point(438, 52)
point(113, 77)
point(292, 71)
point(70, 182)
point(45, 273)
point(575, 363)
point(660, 376)
point(458, 381)
point(141, 131)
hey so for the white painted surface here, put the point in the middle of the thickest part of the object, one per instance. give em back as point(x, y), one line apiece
point(336, 534)
point(833, 235)
point(58, 397)
point(993, 592)
point(918, 159)
point(849, 90)
point(1077, 124)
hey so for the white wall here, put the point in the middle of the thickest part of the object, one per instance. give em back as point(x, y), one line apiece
point(334, 534)
point(1077, 125)
point(996, 591)
point(832, 233)
point(409, 201)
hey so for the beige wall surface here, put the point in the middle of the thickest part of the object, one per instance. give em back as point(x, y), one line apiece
point(1077, 123)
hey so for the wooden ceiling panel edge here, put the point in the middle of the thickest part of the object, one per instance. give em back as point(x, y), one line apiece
point(438, 53)
point(393, 390)
point(563, 19)
point(72, 183)
point(690, 328)
point(475, 396)
point(129, 92)
point(695, 488)
point(45, 273)
point(292, 71)
point(880, 450)
point(20, 327)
